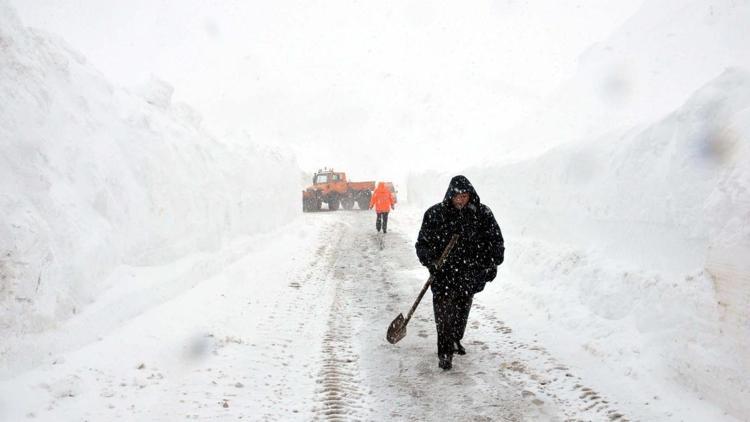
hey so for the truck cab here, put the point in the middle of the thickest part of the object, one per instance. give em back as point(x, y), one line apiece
point(322, 178)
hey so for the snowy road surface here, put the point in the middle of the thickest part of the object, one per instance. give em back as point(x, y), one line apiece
point(287, 326)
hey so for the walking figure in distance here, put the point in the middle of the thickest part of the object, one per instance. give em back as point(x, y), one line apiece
point(383, 202)
point(473, 261)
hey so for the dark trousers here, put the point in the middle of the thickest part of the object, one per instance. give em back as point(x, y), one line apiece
point(451, 316)
point(382, 220)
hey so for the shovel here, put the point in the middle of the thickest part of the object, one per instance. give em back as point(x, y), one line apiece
point(397, 329)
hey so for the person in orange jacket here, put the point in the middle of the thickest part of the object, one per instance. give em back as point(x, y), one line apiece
point(383, 202)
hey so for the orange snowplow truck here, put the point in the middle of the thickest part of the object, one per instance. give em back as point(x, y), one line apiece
point(332, 188)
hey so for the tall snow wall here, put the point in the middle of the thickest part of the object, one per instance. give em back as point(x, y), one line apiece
point(93, 176)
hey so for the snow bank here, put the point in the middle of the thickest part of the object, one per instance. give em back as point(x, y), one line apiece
point(637, 246)
point(642, 72)
point(92, 177)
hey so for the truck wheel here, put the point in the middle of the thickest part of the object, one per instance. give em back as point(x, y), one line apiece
point(333, 204)
point(363, 199)
point(316, 206)
point(305, 206)
point(347, 203)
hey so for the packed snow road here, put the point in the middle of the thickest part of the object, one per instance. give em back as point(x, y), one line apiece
point(286, 326)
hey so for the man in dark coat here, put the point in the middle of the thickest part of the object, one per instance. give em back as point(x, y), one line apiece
point(472, 262)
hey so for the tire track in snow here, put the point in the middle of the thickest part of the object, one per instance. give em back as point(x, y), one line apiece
point(339, 396)
point(290, 328)
point(541, 376)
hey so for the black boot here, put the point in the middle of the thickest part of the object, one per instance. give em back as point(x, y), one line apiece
point(459, 349)
point(445, 362)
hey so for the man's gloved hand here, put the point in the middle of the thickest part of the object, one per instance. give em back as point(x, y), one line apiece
point(489, 274)
point(434, 271)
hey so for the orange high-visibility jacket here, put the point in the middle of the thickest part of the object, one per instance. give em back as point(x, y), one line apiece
point(381, 199)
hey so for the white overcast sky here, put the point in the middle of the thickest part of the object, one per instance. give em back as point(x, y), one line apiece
point(372, 87)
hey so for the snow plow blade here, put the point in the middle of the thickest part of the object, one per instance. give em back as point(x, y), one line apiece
point(397, 329)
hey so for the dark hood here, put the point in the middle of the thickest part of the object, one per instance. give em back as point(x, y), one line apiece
point(458, 185)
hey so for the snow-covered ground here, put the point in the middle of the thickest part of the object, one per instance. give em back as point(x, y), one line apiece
point(150, 271)
point(293, 329)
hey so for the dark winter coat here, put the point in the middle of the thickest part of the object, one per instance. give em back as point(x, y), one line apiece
point(480, 247)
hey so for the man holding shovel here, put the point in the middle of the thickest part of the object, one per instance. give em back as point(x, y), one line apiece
point(472, 262)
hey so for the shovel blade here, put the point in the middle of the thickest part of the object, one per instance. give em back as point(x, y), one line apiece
point(397, 330)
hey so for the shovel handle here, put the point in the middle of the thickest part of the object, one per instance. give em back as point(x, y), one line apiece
point(438, 265)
